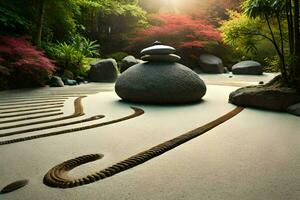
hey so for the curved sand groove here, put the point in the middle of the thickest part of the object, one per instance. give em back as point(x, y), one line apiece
point(78, 111)
point(46, 96)
point(52, 126)
point(14, 186)
point(29, 118)
point(137, 112)
point(31, 109)
point(11, 107)
point(29, 113)
point(6, 101)
point(30, 104)
point(58, 175)
point(32, 98)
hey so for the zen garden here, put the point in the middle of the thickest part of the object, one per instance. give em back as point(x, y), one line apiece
point(150, 99)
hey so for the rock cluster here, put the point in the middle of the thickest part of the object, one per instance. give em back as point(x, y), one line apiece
point(160, 80)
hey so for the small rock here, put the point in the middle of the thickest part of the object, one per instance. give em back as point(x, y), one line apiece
point(56, 81)
point(158, 49)
point(261, 82)
point(104, 71)
point(79, 79)
point(163, 58)
point(70, 82)
point(211, 64)
point(247, 67)
point(127, 62)
point(230, 76)
point(294, 109)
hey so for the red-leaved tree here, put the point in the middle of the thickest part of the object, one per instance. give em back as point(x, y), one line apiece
point(186, 33)
point(22, 65)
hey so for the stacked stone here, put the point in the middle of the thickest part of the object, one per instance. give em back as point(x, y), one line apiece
point(159, 53)
point(160, 80)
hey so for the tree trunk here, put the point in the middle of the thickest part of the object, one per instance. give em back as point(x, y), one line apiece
point(289, 16)
point(39, 24)
point(282, 45)
point(281, 57)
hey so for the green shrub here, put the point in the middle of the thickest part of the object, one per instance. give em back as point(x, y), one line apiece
point(73, 56)
point(66, 56)
point(118, 56)
point(86, 66)
point(271, 64)
point(84, 45)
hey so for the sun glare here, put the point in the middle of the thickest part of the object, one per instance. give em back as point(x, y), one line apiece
point(171, 2)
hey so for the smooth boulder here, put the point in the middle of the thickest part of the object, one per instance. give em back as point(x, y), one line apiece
point(56, 81)
point(211, 64)
point(104, 71)
point(160, 83)
point(264, 97)
point(70, 82)
point(127, 62)
point(294, 109)
point(247, 67)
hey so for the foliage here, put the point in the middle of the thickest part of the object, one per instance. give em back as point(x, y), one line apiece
point(83, 71)
point(71, 56)
point(100, 23)
point(272, 64)
point(84, 45)
point(118, 56)
point(66, 56)
point(275, 13)
point(11, 22)
point(242, 33)
point(249, 38)
point(22, 64)
point(189, 35)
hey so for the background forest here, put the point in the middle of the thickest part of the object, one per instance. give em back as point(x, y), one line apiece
point(41, 37)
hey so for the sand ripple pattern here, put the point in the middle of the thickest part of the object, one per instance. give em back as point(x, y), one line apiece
point(58, 175)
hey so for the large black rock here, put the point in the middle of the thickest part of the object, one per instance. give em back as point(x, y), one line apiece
point(247, 67)
point(211, 64)
point(265, 97)
point(294, 109)
point(56, 81)
point(160, 83)
point(104, 71)
point(127, 62)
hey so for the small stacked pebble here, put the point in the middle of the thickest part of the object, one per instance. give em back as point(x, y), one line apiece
point(159, 53)
point(160, 80)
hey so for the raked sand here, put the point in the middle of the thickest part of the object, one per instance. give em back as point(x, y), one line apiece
point(254, 155)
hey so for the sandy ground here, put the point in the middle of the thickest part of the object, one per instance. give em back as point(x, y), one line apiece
point(254, 155)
